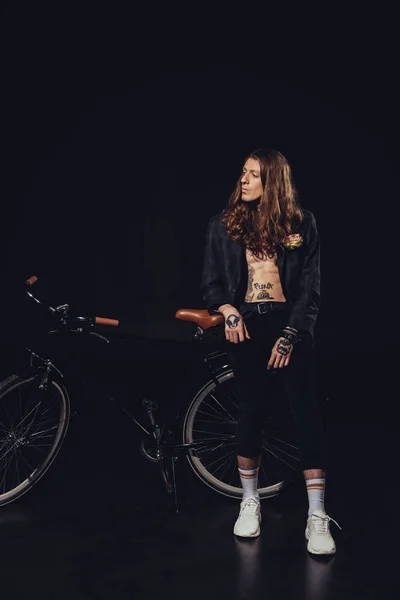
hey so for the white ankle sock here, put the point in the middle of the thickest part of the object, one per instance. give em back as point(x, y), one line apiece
point(249, 479)
point(316, 494)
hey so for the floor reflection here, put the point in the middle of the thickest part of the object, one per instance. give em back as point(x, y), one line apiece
point(253, 570)
point(12, 515)
point(249, 566)
point(318, 576)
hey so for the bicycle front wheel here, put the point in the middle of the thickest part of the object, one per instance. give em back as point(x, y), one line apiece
point(210, 425)
point(33, 424)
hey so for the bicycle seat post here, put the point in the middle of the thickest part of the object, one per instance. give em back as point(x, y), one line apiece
point(198, 335)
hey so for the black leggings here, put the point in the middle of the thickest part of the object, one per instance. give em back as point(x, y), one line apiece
point(249, 361)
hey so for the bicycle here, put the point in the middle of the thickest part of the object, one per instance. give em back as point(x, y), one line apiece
point(35, 411)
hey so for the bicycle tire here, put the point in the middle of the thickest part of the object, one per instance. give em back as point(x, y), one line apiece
point(202, 471)
point(19, 438)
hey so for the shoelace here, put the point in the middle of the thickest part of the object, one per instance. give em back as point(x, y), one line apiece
point(321, 526)
point(249, 506)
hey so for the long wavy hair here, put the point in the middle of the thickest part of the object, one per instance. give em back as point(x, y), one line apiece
point(263, 225)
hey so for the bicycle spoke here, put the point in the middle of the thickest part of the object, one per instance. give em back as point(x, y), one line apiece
point(26, 416)
point(221, 390)
point(202, 412)
point(212, 448)
point(7, 431)
point(206, 421)
point(50, 399)
point(263, 471)
point(9, 418)
point(31, 468)
point(235, 471)
point(35, 408)
point(41, 446)
point(234, 393)
point(29, 397)
point(42, 434)
point(283, 452)
point(218, 459)
point(269, 451)
point(16, 466)
point(4, 443)
point(7, 462)
point(220, 436)
point(218, 414)
point(20, 402)
point(58, 423)
point(46, 445)
point(223, 408)
point(229, 461)
point(10, 449)
point(43, 414)
point(268, 436)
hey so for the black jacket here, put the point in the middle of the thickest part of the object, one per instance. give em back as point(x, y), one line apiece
point(224, 275)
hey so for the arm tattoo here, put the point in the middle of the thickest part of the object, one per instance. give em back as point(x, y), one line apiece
point(284, 347)
point(232, 321)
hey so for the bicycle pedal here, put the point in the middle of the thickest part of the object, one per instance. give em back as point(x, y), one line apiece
point(149, 404)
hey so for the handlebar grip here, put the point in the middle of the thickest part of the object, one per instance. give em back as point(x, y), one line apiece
point(104, 321)
point(31, 281)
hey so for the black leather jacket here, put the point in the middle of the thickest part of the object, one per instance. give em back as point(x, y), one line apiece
point(224, 275)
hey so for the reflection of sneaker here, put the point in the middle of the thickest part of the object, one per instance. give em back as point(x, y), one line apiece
point(318, 535)
point(249, 519)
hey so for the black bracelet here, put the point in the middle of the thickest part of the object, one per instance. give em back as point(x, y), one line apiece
point(291, 337)
point(291, 329)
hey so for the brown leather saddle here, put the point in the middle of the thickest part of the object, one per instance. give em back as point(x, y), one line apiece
point(200, 317)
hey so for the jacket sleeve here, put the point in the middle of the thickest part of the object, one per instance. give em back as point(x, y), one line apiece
point(211, 281)
point(306, 307)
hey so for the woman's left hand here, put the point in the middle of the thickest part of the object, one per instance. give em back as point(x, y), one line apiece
point(280, 355)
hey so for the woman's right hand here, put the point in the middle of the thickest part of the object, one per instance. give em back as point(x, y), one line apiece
point(235, 327)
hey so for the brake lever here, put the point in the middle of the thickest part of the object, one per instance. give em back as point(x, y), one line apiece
point(102, 337)
point(62, 309)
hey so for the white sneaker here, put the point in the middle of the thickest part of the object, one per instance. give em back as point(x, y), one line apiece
point(249, 519)
point(320, 540)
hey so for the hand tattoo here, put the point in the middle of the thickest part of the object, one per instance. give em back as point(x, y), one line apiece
point(284, 347)
point(232, 321)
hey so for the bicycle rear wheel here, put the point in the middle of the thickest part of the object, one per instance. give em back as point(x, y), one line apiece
point(210, 424)
point(33, 424)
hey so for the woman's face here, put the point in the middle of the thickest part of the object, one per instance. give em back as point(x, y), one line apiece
point(252, 188)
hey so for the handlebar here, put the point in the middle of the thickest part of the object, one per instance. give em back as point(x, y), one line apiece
point(63, 312)
point(105, 321)
point(31, 281)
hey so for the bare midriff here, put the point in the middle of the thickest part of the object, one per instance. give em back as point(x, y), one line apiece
point(264, 283)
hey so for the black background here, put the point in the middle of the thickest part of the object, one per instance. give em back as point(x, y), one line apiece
point(123, 131)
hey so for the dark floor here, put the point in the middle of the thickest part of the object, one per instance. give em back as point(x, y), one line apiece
point(98, 526)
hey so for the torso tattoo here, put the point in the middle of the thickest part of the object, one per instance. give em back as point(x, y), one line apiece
point(263, 280)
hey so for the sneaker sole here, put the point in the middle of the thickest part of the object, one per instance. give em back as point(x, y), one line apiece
point(319, 552)
point(250, 535)
point(313, 551)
